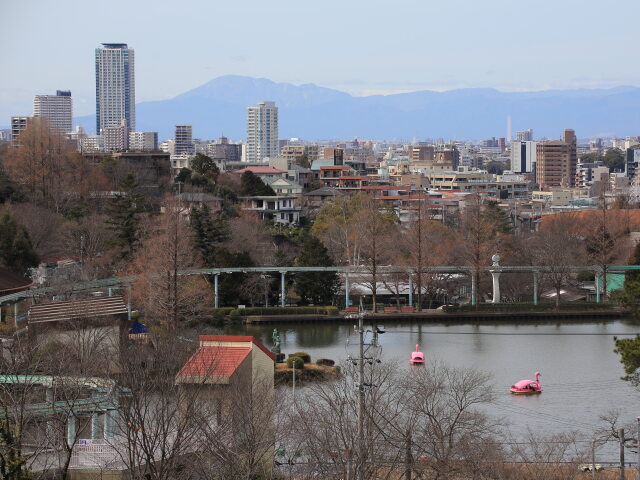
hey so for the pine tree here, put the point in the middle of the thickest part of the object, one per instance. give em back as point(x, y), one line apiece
point(209, 232)
point(124, 217)
point(16, 250)
point(251, 185)
point(315, 287)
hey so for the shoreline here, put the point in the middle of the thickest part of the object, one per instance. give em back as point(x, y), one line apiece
point(441, 317)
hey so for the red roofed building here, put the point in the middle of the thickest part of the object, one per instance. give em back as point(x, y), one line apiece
point(264, 172)
point(223, 359)
point(232, 377)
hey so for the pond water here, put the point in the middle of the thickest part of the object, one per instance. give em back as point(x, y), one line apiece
point(580, 373)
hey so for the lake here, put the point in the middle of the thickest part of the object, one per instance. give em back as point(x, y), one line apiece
point(580, 373)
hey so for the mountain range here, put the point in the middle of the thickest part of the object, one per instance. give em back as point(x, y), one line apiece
point(311, 112)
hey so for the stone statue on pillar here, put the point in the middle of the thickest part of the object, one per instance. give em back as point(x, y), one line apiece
point(495, 274)
point(276, 346)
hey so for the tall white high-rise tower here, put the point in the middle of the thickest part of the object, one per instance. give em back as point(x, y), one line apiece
point(115, 86)
point(262, 132)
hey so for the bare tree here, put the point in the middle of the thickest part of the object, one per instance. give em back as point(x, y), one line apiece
point(479, 238)
point(165, 295)
point(557, 247)
point(374, 231)
point(448, 428)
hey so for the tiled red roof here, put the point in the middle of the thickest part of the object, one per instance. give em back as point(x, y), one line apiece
point(214, 361)
point(237, 338)
point(261, 170)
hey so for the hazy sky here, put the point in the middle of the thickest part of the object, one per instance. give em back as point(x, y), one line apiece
point(359, 46)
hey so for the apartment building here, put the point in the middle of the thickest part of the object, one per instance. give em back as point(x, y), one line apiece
point(556, 161)
point(262, 132)
point(57, 109)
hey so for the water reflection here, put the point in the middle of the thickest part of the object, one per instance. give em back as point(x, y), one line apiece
point(580, 373)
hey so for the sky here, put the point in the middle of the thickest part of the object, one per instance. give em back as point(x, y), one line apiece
point(359, 46)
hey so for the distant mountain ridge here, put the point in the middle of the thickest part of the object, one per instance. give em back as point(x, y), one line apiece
point(316, 113)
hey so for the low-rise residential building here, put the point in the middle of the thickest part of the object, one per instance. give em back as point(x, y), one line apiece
point(341, 177)
point(264, 172)
point(283, 186)
point(279, 209)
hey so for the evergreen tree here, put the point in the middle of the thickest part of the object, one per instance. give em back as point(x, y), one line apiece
point(315, 287)
point(629, 351)
point(251, 185)
point(630, 297)
point(124, 217)
point(13, 465)
point(205, 166)
point(495, 215)
point(16, 250)
point(209, 231)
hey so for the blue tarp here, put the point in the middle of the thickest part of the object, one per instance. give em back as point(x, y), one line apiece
point(137, 327)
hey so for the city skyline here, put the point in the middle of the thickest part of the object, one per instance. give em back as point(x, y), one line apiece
point(461, 47)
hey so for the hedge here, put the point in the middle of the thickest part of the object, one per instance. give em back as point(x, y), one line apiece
point(284, 311)
point(326, 362)
point(526, 307)
point(297, 361)
point(306, 358)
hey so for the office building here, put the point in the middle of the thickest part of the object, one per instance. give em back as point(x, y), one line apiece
point(57, 109)
point(262, 132)
point(525, 136)
point(143, 141)
point(184, 141)
point(18, 125)
point(115, 86)
point(556, 161)
point(523, 156)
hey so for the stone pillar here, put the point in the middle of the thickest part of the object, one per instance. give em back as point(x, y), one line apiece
point(495, 276)
point(215, 291)
point(107, 428)
point(473, 288)
point(282, 290)
point(535, 288)
point(597, 279)
point(347, 302)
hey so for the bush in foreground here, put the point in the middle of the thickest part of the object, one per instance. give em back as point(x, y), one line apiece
point(295, 362)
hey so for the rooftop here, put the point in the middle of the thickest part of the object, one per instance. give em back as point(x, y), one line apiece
point(214, 361)
point(77, 309)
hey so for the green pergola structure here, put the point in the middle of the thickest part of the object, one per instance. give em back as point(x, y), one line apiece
point(346, 271)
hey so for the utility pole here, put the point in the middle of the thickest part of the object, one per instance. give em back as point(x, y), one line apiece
point(638, 447)
point(593, 459)
point(621, 438)
point(361, 447)
point(370, 357)
point(407, 457)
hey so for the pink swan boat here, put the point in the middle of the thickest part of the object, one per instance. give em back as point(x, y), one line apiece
point(527, 387)
point(417, 357)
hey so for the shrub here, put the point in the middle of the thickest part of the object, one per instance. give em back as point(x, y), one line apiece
point(331, 310)
point(297, 361)
point(306, 358)
point(325, 362)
